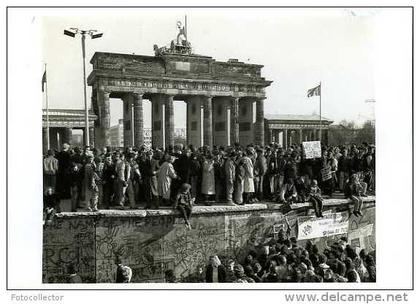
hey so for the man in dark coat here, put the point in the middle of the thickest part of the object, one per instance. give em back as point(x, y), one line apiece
point(148, 170)
point(260, 169)
point(108, 178)
point(64, 164)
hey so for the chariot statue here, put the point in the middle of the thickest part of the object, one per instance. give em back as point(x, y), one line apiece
point(180, 45)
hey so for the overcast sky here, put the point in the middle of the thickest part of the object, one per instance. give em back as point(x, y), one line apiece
point(298, 48)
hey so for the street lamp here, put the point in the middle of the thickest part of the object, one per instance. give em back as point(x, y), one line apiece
point(72, 32)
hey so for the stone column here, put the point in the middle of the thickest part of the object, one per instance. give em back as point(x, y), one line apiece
point(285, 139)
point(208, 122)
point(138, 119)
point(127, 118)
point(169, 121)
point(259, 122)
point(91, 136)
point(234, 121)
point(53, 139)
point(325, 133)
point(157, 121)
point(105, 119)
point(67, 135)
point(44, 140)
point(269, 136)
point(300, 136)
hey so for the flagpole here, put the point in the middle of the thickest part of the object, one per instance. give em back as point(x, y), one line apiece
point(320, 117)
point(46, 101)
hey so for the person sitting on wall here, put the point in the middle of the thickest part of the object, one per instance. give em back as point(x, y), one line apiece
point(51, 205)
point(302, 189)
point(315, 198)
point(354, 190)
point(288, 192)
point(183, 203)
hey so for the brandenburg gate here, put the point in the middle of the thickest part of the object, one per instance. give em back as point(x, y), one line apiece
point(225, 100)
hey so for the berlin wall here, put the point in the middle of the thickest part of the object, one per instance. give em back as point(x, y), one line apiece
point(151, 242)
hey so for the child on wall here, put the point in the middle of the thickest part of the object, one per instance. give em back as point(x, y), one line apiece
point(315, 198)
point(183, 203)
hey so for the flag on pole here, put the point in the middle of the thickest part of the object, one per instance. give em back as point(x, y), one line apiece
point(314, 91)
point(44, 80)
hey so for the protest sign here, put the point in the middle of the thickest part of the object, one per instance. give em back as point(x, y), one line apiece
point(310, 227)
point(311, 149)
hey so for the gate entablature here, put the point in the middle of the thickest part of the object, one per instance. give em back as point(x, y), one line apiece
point(176, 74)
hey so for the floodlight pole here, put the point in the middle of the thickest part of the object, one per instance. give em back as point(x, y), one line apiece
point(72, 33)
point(83, 33)
point(320, 115)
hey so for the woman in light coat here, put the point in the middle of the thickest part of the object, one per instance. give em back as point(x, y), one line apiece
point(165, 175)
point(248, 179)
point(208, 183)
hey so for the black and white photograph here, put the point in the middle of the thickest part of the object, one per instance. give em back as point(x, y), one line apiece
point(187, 146)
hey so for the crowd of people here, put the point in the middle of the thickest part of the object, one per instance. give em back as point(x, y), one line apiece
point(181, 176)
point(280, 260)
point(284, 260)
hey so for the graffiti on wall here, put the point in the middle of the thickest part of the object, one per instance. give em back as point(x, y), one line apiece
point(151, 245)
point(70, 241)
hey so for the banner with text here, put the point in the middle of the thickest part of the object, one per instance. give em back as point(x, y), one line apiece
point(311, 227)
point(311, 149)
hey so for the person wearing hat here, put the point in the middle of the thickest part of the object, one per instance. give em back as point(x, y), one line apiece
point(90, 184)
point(260, 169)
point(249, 188)
point(229, 168)
point(120, 183)
point(165, 176)
point(183, 203)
